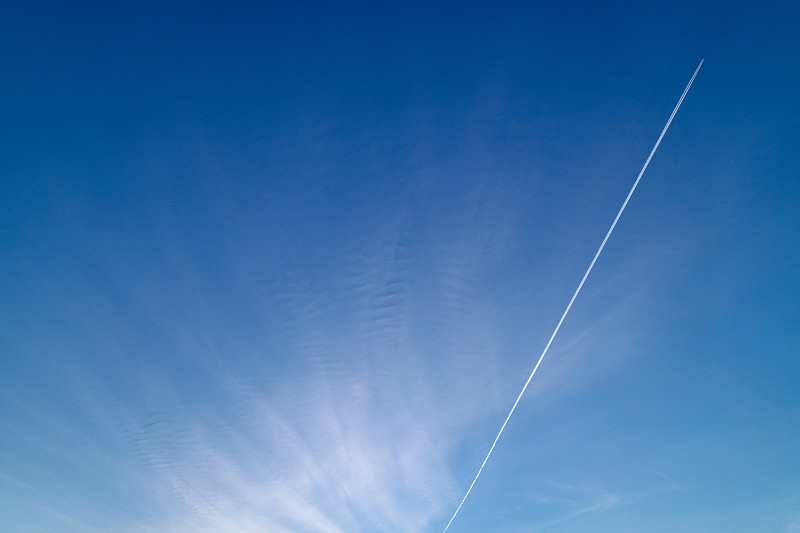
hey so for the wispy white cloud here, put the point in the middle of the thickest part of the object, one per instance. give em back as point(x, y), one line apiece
point(357, 435)
point(328, 464)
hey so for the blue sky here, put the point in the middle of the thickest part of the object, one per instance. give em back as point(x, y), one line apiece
point(285, 269)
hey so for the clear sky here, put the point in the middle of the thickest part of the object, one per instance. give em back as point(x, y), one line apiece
point(285, 268)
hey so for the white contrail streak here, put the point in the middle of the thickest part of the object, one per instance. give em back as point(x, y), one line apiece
point(578, 290)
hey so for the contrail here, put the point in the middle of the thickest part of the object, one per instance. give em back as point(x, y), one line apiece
point(578, 290)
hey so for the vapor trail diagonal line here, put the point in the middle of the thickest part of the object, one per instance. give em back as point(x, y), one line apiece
point(577, 291)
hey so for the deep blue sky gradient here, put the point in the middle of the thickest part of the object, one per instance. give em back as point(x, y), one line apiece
point(285, 268)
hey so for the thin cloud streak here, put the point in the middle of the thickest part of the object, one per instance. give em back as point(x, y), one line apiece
point(575, 295)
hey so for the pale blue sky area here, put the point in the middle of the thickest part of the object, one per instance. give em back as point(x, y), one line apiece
point(285, 269)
